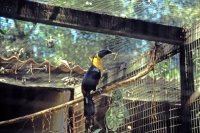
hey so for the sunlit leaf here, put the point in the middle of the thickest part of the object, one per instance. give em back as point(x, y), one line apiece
point(97, 131)
point(2, 31)
point(59, 84)
point(117, 112)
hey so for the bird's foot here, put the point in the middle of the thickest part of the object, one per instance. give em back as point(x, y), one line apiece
point(98, 90)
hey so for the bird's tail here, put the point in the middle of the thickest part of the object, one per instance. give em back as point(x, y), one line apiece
point(88, 105)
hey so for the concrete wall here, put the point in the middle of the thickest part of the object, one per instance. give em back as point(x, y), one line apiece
point(16, 101)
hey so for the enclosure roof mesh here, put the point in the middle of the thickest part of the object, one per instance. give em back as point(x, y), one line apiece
point(181, 13)
point(76, 46)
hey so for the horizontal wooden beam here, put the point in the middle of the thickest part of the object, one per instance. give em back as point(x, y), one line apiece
point(90, 21)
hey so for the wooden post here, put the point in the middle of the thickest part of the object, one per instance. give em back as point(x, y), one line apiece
point(186, 88)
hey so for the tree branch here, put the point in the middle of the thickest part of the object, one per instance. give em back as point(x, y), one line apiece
point(40, 113)
point(150, 67)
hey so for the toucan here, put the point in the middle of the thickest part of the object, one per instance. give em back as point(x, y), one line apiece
point(91, 79)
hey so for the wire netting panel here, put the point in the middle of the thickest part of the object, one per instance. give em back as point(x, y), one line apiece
point(154, 107)
point(51, 122)
point(78, 118)
point(153, 103)
point(192, 51)
point(186, 12)
point(101, 106)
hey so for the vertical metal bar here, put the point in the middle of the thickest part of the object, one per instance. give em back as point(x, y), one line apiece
point(71, 115)
point(190, 76)
point(183, 90)
point(167, 114)
point(185, 122)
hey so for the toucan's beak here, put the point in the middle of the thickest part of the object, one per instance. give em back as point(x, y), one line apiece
point(103, 53)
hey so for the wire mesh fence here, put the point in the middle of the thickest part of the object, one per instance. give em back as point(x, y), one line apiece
point(144, 10)
point(151, 104)
point(192, 64)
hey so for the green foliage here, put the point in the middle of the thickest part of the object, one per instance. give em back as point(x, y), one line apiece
point(197, 60)
point(168, 69)
point(59, 84)
point(113, 118)
point(70, 45)
point(117, 95)
point(197, 66)
point(116, 112)
point(3, 32)
point(97, 131)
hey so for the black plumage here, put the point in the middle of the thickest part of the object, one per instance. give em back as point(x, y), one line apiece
point(91, 80)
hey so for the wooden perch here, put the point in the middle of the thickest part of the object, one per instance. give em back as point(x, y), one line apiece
point(150, 67)
point(40, 113)
point(128, 81)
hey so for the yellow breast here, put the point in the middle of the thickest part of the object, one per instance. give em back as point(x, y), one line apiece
point(97, 62)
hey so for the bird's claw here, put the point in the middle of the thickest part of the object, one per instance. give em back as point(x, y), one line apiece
point(98, 90)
